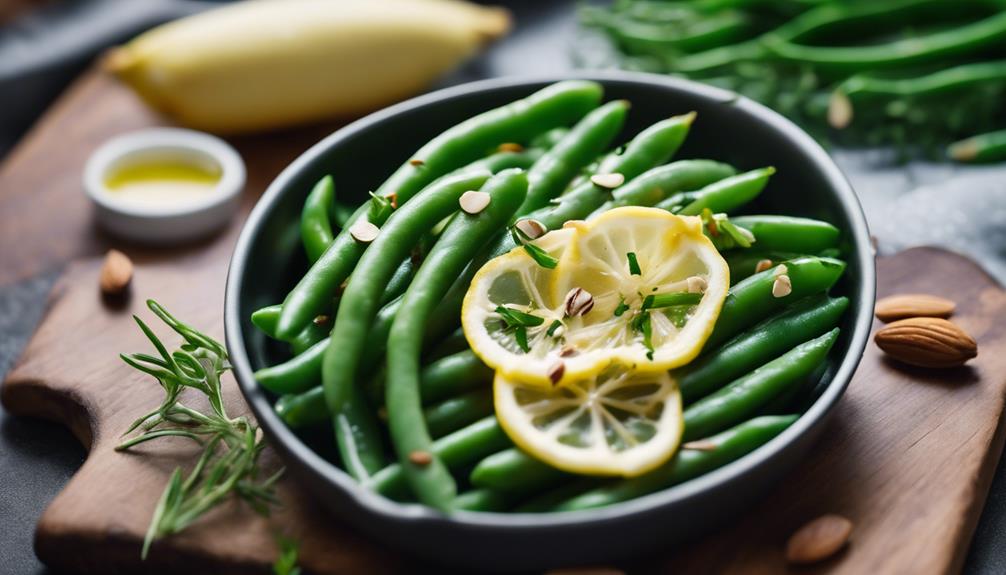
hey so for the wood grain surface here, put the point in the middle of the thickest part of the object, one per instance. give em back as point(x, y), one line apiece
point(908, 456)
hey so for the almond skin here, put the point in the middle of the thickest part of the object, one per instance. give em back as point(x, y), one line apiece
point(819, 539)
point(907, 305)
point(926, 342)
point(116, 273)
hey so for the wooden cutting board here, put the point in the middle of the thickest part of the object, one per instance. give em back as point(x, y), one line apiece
point(908, 456)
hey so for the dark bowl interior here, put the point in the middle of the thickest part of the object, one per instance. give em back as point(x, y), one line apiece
point(268, 260)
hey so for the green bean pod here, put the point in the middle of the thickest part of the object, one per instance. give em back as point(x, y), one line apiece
point(990, 147)
point(654, 185)
point(802, 321)
point(728, 194)
point(454, 374)
point(428, 477)
point(296, 375)
point(556, 105)
point(751, 300)
point(456, 450)
point(788, 233)
point(744, 263)
point(316, 219)
point(265, 320)
point(484, 500)
point(742, 397)
point(659, 39)
point(361, 452)
point(719, 450)
point(456, 412)
point(557, 167)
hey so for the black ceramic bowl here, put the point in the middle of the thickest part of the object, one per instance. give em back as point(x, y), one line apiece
point(268, 261)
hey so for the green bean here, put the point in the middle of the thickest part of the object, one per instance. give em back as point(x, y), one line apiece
point(515, 471)
point(297, 374)
point(919, 49)
point(456, 412)
point(728, 194)
point(441, 381)
point(552, 498)
point(990, 147)
point(265, 319)
point(588, 138)
point(454, 374)
point(654, 185)
point(729, 446)
point(361, 452)
point(715, 58)
point(429, 478)
point(480, 500)
point(316, 218)
point(456, 450)
point(742, 397)
point(865, 88)
point(805, 319)
point(802, 235)
point(751, 300)
point(454, 342)
point(744, 263)
point(659, 39)
point(505, 160)
point(549, 138)
point(556, 105)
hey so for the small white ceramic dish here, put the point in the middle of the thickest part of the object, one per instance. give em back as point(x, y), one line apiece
point(165, 223)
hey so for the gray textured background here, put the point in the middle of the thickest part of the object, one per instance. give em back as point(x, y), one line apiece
point(963, 209)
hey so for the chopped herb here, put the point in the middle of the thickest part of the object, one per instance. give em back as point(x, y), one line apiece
point(515, 318)
point(724, 233)
point(540, 256)
point(678, 315)
point(621, 308)
point(670, 299)
point(556, 324)
point(645, 327)
point(520, 334)
point(633, 264)
point(380, 208)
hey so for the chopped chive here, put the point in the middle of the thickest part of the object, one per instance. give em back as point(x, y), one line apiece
point(621, 308)
point(554, 326)
point(633, 264)
point(736, 234)
point(520, 334)
point(645, 327)
point(671, 299)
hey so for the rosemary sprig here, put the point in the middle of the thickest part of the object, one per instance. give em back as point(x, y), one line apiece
point(228, 465)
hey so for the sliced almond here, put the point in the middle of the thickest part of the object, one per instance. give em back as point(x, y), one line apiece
point(780, 270)
point(700, 445)
point(819, 539)
point(533, 229)
point(474, 202)
point(512, 147)
point(116, 273)
point(364, 231)
point(762, 265)
point(907, 305)
point(926, 342)
point(610, 181)
point(696, 284)
point(556, 372)
point(782, 286)
point(421, 457)
point(417, 163)
point(321, 319)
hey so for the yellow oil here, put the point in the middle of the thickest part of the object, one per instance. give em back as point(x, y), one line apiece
point(162, 182)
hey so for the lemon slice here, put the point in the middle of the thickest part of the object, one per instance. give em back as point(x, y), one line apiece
point(656, 284)
point(509, 314)
point(616, 422)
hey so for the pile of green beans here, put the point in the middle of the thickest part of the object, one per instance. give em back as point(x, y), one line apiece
point(372, 329)
point(916, 74)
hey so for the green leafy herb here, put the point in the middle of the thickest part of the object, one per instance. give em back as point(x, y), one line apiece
point(646, 328)
point(540, 256)
point(228, 465)
point(512, 317)
point(633, 264)
point(380, 208)
point(286, 563)
point(725, 234)
point(520, 334)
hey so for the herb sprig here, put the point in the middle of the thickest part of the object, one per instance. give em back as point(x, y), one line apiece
point(229, 464)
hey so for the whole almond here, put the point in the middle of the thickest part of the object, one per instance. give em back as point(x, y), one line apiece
point(926, 342)
point(819, 539)
point(902, 306)
point(116, 273)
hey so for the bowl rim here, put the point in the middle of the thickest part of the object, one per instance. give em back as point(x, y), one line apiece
point(362, 497)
